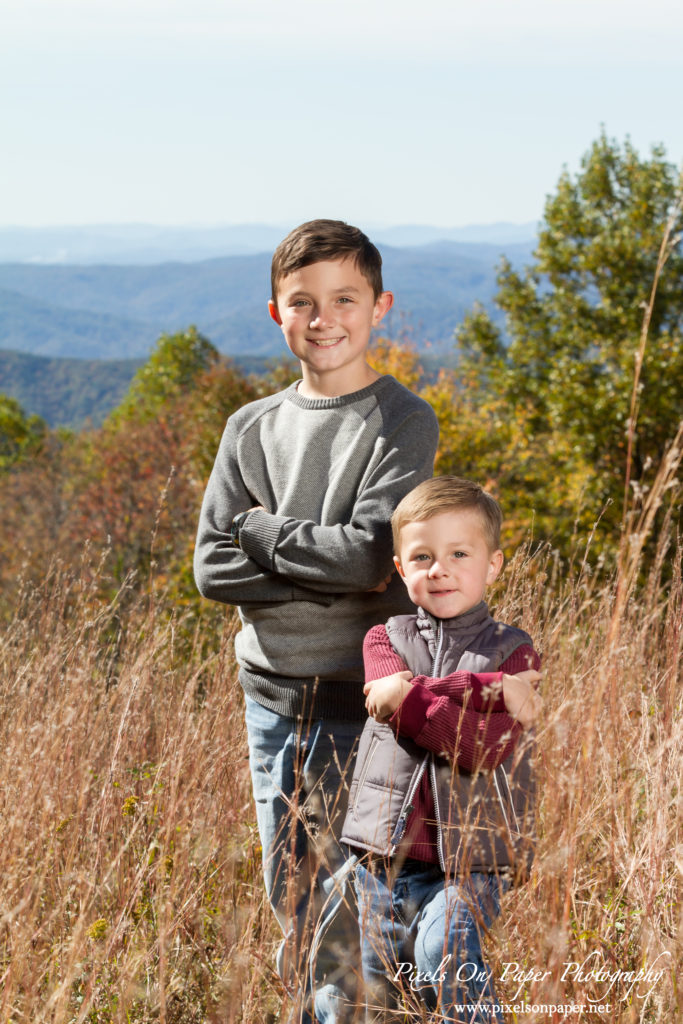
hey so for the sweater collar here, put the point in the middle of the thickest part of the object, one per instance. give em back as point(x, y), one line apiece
point(461, 628)
point(293, 395)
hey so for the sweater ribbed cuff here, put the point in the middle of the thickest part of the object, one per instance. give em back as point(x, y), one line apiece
point(259, 534)
point(410, 716)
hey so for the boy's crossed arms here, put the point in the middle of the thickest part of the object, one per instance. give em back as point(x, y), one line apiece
point(472, 718)
point(274, 556)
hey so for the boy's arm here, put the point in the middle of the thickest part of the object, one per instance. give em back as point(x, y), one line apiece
point(447, 715)
point(486, 691)
point(440, 723)
point(354, 556)
point(222, 571)
point(481, 691)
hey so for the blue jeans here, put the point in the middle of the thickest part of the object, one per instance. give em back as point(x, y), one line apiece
point(422, 935)
point(300, 777)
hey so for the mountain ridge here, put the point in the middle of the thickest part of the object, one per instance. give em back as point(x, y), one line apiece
point(111, 311)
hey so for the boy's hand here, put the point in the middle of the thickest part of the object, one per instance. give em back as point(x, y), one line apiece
point(383, 696)
point(381, 587)
point(522, 702)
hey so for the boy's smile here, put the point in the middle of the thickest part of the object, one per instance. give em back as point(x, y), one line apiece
point(327, 311)
point(446, 562)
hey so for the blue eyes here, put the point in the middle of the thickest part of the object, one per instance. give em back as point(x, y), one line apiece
point(428, 558)
point(300, 303)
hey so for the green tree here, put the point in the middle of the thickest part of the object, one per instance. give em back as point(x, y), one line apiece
point(171, 371)
point(574, 320)
point(21, 436)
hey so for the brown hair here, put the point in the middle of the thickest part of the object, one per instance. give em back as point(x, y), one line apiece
point(448, 494)
point(319, 240)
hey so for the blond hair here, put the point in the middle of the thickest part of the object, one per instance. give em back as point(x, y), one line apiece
point(448, 494)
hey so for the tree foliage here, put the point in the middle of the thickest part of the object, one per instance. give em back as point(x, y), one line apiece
point(130, 490)
point(400, 360)
point(171, 371)
point(21, 436)
point(565, 374)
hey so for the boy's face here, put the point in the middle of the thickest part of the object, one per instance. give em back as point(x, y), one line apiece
point(327, 311)
point(446, 562)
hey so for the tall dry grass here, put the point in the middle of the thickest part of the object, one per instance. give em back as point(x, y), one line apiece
point(605, 890)
point(129, 878)
point(129, 860)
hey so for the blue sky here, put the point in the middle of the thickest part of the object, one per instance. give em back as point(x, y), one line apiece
point(376, 111)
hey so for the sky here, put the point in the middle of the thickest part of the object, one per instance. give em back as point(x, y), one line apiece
point(379, 112)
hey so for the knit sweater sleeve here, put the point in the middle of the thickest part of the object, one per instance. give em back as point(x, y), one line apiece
point(480, 691)
point(223, 572)
point(436, 718)
point(355, 555)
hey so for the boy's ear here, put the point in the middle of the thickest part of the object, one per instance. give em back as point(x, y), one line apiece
point(382, 307)
point(495, 565)
point(399, 567)
point(272, 309)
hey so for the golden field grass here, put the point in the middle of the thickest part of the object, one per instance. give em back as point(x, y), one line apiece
point(130, 885)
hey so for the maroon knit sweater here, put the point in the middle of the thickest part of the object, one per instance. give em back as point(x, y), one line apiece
point(461, 716)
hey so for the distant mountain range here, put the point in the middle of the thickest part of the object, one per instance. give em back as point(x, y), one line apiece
point(146, 243)
point(66, 392)
point(114, 312)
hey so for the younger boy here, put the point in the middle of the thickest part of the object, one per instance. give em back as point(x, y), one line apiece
point(295, 529)
point(441, 797)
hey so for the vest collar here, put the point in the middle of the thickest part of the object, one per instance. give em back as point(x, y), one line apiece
point(462, 628)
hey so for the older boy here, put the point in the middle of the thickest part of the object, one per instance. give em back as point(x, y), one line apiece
point(295, 529)
point(441, 797)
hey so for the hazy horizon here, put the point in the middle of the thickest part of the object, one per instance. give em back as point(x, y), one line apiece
point(220, 225)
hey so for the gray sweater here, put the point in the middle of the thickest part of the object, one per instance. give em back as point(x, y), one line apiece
point(328, 473)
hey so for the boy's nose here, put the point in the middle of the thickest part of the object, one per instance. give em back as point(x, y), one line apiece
point(436, 569)
point(320, 319)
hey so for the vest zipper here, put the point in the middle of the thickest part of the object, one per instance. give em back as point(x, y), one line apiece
point(438, 657)
point(437, 815)
point(436, 668)
point(407, 808)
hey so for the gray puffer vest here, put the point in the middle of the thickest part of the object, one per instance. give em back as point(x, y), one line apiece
point(485, 819)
